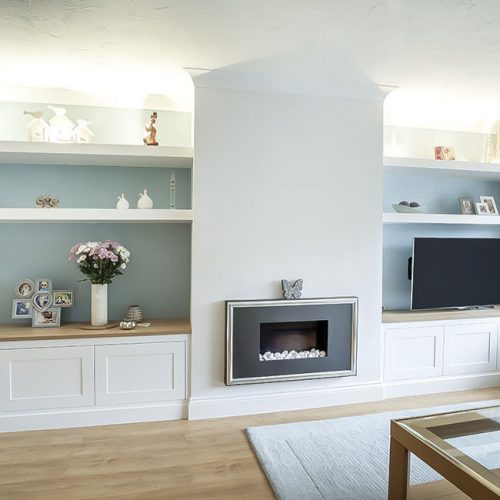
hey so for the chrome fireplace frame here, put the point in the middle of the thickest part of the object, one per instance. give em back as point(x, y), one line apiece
point(231, 305)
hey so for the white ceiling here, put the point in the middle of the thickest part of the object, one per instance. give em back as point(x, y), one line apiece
point(446, 49)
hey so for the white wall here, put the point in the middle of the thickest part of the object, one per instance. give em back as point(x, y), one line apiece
point(285, 186)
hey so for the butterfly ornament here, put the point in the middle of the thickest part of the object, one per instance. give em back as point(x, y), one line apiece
point(292, 291)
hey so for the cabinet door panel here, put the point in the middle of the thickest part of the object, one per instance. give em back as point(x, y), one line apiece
point(470, 349)
point(415, 352)
point(46, 378)
point(136, 373)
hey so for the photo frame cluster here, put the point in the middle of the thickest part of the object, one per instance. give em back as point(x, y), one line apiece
point(36, 300)
point(486, 206)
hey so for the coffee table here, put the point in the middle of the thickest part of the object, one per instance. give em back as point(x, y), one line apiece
point(464, 447)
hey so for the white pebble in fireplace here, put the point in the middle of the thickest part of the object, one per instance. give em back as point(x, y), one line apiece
point(280, 356)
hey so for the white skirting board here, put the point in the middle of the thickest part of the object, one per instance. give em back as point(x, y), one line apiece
point(92, 416)
point(440, 384)
point(232, 406)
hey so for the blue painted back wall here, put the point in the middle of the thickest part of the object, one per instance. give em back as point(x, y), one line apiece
point(91, 186)
point(158, 276)
point(439, 195)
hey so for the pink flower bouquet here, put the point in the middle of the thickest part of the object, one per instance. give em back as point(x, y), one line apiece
point(100, 262)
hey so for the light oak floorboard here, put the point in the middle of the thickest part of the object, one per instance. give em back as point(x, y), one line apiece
point(206, 459)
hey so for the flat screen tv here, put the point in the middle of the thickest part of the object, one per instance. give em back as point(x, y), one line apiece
point(455, 272)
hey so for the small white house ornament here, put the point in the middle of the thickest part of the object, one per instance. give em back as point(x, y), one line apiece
point(61, 127)
point(38, 128)
point(81, 133)
point(122, 204)
point(145, 202)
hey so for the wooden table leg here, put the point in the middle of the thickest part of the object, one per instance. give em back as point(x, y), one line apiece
point(399, 471)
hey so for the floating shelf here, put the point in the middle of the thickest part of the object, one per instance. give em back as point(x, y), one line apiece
point(44, 153)
point(395, 218)
point(419, 166)
point(93, 215)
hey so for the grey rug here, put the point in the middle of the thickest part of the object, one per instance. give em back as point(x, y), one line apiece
point(345, 458)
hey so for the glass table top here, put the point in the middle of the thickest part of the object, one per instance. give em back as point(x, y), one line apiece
point(469, 438)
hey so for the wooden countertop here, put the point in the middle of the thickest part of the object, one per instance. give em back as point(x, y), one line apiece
point(72, 331)
point(404, 316)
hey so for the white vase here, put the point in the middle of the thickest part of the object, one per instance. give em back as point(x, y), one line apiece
point(99, 305)
point(145, 202)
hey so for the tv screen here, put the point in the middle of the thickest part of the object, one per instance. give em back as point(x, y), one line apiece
point(455, 272)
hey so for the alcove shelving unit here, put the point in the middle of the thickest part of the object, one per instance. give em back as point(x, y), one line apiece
point(37, 153)
point(437, 168)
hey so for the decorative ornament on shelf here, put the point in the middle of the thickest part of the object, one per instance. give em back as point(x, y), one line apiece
point(81, 133)
point(134, 313)
point(292, 290)
point(122, 204)
point(47, 201)
point(100, 263)
point(444, 153)
point(38, 128)
point(40, 303)
point(61, 127)
point(145, 202)
point(127, 325)
point(405, 207)
point(150, 130)
point(172, 190)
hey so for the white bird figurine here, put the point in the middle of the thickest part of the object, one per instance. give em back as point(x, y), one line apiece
point(122, 204)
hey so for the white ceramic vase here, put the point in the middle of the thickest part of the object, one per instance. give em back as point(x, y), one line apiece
point(99, 305)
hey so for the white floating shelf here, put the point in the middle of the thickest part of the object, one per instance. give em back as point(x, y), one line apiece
point(44, 153)
point(395, 218)
point(420, 166)
point(93, 215)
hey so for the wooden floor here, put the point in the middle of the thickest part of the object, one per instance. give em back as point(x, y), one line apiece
point(209, 459)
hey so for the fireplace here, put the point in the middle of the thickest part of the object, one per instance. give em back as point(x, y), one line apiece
point(276, 340)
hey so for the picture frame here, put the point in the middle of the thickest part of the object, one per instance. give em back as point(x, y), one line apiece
point(63, 298)
point(42, 301)
point(490, 202)
point(22, 309)
point(467, 206)
point(43, 285)
point(482, 209)
point(25, 288)
point(50, 318)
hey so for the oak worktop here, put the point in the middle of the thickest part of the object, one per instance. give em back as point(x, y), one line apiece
point(403, 316)
point(173, 326)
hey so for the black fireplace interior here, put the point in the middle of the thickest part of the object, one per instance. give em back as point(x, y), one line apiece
point(294, 335)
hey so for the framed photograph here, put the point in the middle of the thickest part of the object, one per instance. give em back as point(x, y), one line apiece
point(63, 298)
point(42, 301)
point(43, 285)
point(21, 309)
point(25, 288)
point(482, 209)
point(47, 319)
point(467, 206)
point(490, 202)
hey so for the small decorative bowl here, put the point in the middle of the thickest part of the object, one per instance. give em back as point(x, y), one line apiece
point(403, 209)
point(127, 324)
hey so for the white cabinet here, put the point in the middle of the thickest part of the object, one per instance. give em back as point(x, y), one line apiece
point(46, 378)
point(413, 353)
point(470, 348)
point(139, 373)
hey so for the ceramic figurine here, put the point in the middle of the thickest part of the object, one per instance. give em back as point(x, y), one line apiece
point(144, 200)
point(150, 131)
point(47, 201)
point(122, 204)
point(61, 127)
point(38, 128)
point(82, 133)
point(444, 153)
point(172, 190)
